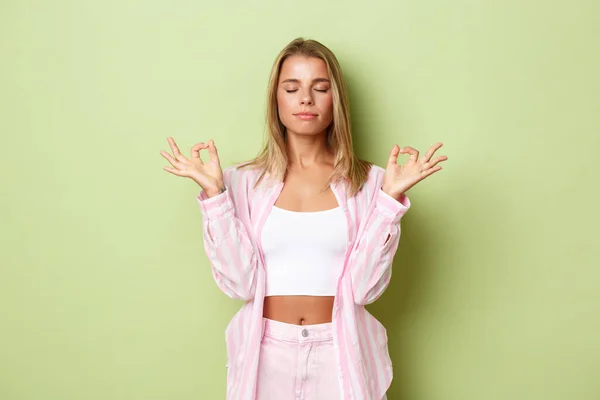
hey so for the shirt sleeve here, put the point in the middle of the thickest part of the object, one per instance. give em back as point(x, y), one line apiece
point(373, 253)
point(227, 244)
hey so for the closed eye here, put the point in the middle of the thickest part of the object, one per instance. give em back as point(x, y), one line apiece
point(295, 90)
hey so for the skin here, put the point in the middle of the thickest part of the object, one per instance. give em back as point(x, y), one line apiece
point(304, 87)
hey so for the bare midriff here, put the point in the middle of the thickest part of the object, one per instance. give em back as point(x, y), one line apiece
point(299, 310)
point(303, 192)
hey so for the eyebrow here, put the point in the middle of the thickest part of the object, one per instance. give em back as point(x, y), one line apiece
point(314, 80)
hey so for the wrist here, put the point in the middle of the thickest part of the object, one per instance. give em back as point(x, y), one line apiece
point(394, 194)
point(215, 191)
point(212, 188)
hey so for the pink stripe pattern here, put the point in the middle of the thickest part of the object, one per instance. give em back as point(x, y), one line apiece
point(232, 223)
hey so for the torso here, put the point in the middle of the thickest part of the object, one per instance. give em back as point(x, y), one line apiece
point(299, 310)
point(303, 192)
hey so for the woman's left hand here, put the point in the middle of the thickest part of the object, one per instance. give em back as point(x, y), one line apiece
point(399, 178)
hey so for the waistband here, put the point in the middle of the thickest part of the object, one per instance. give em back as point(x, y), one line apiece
point(297, 333)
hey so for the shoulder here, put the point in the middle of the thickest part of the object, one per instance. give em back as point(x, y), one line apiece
point(369, 187)
point(238, 175)
point(374, 180)
point(375, 174)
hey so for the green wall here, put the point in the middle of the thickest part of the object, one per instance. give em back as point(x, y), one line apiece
point(105, 290)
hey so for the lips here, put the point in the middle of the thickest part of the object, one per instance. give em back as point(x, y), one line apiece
point(306, 116)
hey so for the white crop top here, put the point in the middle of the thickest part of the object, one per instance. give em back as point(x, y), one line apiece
point(304, 251)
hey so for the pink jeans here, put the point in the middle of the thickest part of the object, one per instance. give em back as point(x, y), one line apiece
point(297, 362)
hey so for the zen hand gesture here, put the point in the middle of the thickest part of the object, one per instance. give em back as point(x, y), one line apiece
point(208, 175)
point(399, 178)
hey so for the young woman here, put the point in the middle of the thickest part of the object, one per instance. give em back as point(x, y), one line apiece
point(305, 234)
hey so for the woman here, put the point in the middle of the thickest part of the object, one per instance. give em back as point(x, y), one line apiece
point(305, 234)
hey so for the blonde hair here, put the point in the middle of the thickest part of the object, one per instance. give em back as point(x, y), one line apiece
point(273, 158)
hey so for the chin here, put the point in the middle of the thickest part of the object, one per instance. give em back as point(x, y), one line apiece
point(306, 130)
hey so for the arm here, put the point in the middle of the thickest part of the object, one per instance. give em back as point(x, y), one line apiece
point(378, 239)
point(226, 241)
point(227, 244)
point(372, 256)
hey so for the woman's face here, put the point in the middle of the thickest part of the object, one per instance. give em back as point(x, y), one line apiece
point(304, 98)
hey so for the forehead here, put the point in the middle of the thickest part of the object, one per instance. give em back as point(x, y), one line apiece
point(303, 68)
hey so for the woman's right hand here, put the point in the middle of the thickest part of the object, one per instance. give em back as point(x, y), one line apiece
point(208, 175)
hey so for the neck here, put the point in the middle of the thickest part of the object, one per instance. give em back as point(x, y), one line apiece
point(305, 151)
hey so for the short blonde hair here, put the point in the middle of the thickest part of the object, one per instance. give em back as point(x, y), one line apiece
point(274, 159)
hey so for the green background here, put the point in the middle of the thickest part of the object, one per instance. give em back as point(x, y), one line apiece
point(105, 289)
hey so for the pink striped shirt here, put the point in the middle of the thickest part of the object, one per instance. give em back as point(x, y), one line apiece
point(232, 223)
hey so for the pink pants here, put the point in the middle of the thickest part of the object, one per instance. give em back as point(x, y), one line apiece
point(297, 362)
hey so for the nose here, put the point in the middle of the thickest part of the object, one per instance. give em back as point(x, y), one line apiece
point(306, 99)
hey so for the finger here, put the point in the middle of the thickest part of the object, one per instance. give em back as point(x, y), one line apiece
point(169, 158)
point(414, 154)
point(196, 151)
point(393, 159)
point(212, 151)
point(175, 149)
point(174, 171)
point(430, 152)
point(430, 171)
point(433, 162)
